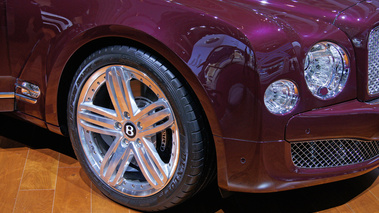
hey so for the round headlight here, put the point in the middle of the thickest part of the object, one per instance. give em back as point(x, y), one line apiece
point(326, 70)
point(281, 96)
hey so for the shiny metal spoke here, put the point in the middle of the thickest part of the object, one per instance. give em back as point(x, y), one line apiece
point(156, 128)
point(98, 129)
point(118, 85)
point(108, 113)
point(115, 162)
point(150, 120)
point(160, 103)
point(97, 115)
point(151, 165)
point(119, 177)
point(154, 118)
point(97, 119)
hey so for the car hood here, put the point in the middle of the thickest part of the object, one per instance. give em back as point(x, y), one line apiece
point(299, 18)
point(327, 10)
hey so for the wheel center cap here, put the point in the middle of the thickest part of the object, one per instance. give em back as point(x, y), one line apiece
point(130, 130)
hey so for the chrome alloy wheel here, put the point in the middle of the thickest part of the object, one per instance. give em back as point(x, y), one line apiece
point(128, 130)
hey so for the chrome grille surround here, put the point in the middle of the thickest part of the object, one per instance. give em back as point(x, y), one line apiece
point(332, 153)
point(373, 62)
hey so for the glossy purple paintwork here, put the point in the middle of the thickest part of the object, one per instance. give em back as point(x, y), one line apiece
point(229, 52)
point(352, 119)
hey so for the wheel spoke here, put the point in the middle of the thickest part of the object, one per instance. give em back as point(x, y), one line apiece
point(156, 128)
point(160, 103)
point(118, 84)
point(97, 119)
point(109, 113)
point(115, 162)
point(154, 118)
point(149, 121)
point(98, 129)
point(151, 165)
point(97, 115)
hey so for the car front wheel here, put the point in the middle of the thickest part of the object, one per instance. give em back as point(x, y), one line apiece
point(136, 130)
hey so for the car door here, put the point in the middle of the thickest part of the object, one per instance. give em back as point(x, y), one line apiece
point(7, 81)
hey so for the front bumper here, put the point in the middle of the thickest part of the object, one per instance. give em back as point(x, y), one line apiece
point(268, 166)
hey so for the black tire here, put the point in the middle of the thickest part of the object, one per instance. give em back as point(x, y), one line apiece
point(144, 165)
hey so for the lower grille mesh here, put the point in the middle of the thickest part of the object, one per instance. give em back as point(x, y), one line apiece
point(332, 153)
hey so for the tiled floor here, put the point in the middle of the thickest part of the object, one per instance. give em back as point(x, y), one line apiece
point(39, 173)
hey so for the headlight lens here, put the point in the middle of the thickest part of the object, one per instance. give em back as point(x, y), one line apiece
point(326, 70)
point(281, 97)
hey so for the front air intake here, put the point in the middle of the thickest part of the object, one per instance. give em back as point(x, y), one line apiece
point(332, 153)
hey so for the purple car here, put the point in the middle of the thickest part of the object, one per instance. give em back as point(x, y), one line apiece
point(159, 97)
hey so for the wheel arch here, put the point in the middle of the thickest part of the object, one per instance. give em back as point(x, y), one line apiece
point(57, 94)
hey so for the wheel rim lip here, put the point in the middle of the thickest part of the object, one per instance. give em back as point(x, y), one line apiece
point(92, 153)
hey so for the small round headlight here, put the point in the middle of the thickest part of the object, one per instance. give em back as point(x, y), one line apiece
point(326, 70)
point(281, 97)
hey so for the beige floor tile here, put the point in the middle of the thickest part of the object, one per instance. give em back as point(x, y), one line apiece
point(73, 191)
point(34, 201)
point(366, 202)
point(12, 163)
point(40, 169)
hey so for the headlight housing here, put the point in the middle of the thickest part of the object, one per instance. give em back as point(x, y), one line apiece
point(281, 97)
point(326, 70)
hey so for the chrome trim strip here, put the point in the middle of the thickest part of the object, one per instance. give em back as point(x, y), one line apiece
point(26, 99)
point(373, 102)
point(6, 95)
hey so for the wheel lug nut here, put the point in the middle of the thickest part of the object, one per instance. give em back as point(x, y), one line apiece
point(127, 115)
point(124, 143)
point(118, 125)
